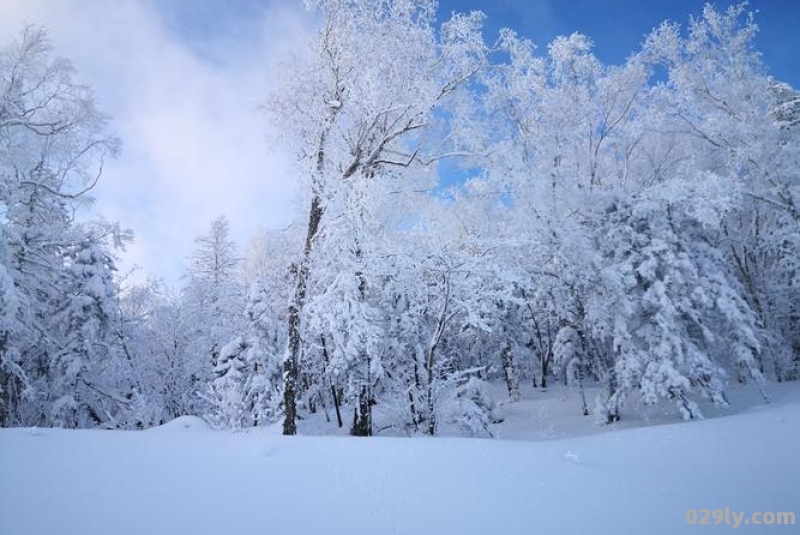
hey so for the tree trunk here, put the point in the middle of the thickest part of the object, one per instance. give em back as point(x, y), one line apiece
point(311, 404)
point(362, 414)
point(582, 390)
point(512, 383)
point(337, 405)
point(431, 375)
point(413, 408)
point(545, 369)
point(290, 373)
point(4, 395)
point(10, 388)
point(431, 407)
point(334, 394)
point(612, 412)
point(416, 418)
point(292, 358)
point(430, 357)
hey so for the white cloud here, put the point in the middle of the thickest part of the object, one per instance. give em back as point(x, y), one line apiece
point(194, 145)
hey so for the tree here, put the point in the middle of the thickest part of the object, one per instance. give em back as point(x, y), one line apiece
point(212, 299)
point(245, 391)
point(85, 389)
point(739, 122)
point(55, 336)
point(614, 186)
point(358, 106)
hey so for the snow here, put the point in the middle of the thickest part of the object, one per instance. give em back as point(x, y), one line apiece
point(183, 423)
point(194, 480)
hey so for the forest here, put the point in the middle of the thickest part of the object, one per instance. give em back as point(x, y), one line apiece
point(631, 231)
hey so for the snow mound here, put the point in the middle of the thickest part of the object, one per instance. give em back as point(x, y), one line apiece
point(184, 423)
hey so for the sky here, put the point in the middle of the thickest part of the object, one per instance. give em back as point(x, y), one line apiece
point(183, 80)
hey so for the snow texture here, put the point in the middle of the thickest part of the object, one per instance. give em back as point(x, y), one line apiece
point(186, 478)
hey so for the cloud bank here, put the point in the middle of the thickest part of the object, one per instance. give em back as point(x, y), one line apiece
point(183, 88)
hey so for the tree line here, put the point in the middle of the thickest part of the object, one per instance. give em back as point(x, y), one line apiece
point(634, 227)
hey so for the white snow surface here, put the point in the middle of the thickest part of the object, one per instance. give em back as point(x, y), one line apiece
point(184, 423)
point(193, 480)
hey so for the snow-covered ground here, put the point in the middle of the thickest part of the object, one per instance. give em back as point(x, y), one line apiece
point(559, 475)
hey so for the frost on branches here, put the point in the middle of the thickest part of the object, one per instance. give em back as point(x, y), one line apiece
point(59, 363)
point(633, 228)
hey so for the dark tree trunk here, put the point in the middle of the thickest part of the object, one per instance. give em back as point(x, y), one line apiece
point(509, 371)
point(431, 375)
point(305, 385)
point(429, 363)
point(337, 396)
point(413, 408)
point(613, 412)
point(362, 414)
point(292, 357)
point(583, 392)
point(416, 418)
point(431, 407)
point(5, 399)
point(545, 368)
point(290, 373)
point(337, 405)
point(11, 389)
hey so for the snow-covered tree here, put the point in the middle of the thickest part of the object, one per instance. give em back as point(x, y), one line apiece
point(212, 299)
point(632, 225)
point(357, 106)
point(616, 184)
point(57, 348)
point(84, 367)
point(246, 388)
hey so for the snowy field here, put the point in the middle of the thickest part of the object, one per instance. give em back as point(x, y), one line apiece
point(552, 472)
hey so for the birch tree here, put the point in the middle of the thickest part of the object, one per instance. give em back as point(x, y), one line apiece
point(359, 105)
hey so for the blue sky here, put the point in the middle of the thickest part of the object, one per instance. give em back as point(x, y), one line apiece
point(618, 27)
point(182, 80)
